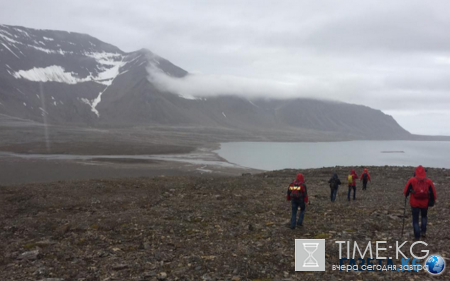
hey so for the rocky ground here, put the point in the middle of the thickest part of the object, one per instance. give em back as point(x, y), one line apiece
point(203, 227)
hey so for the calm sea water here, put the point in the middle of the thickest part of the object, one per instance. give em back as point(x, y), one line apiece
point(278, 155)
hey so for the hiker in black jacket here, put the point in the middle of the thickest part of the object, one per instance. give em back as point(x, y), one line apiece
point(334, 185)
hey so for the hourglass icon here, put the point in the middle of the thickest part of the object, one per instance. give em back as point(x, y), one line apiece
point(310, 260)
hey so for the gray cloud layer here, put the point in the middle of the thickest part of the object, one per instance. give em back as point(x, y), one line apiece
point(394, 55)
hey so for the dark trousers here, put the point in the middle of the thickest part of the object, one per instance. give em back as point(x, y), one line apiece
point(415, 214)
point(295, 205)
point(364, 185)
point(354, 192)
point(333, 194)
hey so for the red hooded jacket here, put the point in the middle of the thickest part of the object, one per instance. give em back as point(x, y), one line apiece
point(300, 179)
point(365, 172)
point(420, 175)
point(355, 177)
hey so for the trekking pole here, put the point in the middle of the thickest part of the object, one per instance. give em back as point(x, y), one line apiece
point(404, 214)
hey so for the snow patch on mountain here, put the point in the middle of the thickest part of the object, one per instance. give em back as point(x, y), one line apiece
point(252, 103)
point(86, 101)
point(109, 66)
point(107, 76)
point(94, 103)
point(9, 39)
point(13, 42)
point(52, 73)
point(43, 111)
point(23, 31)
point(6, 32)
point(10, 51)
point(48, 51)
point(104, 57)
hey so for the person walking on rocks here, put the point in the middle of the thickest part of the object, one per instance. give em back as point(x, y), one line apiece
point(423, 195)
point(334, 185)
point(365, 177)
point(298, 195)
point(352, 184)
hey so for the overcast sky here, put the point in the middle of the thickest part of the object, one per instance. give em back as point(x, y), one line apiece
point(389, 55)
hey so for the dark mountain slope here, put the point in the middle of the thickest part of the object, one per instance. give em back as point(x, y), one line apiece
point(74, 79)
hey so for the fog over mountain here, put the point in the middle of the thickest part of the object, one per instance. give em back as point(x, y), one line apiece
point(200, 85)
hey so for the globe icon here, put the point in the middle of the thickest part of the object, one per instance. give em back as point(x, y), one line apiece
point(435, 263)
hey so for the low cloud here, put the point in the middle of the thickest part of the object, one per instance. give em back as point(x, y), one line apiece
point(341, 88)
point(204, 85)
point(400, 90)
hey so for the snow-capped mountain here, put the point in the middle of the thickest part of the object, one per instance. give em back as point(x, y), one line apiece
point(71, 78)
point(61, 74)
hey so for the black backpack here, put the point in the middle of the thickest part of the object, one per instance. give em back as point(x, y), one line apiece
point(365, 177)
point(333, 183)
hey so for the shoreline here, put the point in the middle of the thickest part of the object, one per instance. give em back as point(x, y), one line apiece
point(37, 168)
point(20, 168)
point(200, 159)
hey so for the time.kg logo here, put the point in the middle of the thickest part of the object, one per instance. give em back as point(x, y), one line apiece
point(309, 254)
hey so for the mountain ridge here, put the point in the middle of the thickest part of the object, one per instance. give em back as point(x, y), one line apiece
point(75, 79)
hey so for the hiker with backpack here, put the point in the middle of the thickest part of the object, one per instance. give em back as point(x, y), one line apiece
point(298, 195)
point(352, 184)
point(365, 177)
point(423, 195)
point(334, 185)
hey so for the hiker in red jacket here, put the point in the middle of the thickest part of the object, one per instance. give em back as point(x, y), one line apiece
point(298, 195)
point(423, 194)
point(365, 177)
point(352, 184)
